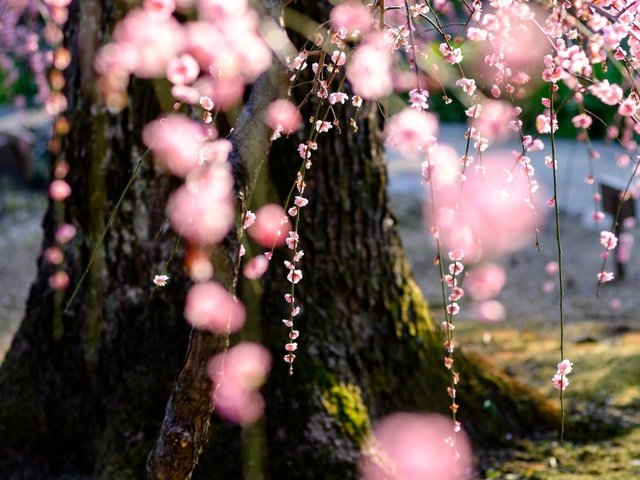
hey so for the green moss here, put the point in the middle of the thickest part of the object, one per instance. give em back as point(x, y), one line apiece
point(412, 318)
point(344, 402)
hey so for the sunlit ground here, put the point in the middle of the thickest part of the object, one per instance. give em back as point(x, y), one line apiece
point(602, 437)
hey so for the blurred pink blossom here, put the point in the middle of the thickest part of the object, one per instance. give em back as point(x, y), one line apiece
point(65, 233)
point(369, 69)
point(59, 280)
point(59, 190)
point(284, 116)
point(412, 131)
point(182, 70)
point(411, 446)
point(175, 142)
point(163, 9)
point(490, 216)
point(154, 40)
point(256, 267)
point(237, 375)
point(202, 210)
point(485, 281)
point(210, 307)
point(351, 15)
point(269, 229)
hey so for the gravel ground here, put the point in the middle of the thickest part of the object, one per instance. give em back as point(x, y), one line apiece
point(20, 242)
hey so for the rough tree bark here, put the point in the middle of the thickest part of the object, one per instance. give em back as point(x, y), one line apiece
point(83, 393)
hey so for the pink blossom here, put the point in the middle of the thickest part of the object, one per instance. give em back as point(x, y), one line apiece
point(292, 240)
point(57, 3)
point(256, 267)
point(609, 94)
point(485, 281)
point(202, 210)
point(551, 267)
point(489, 310)
point(221, 10)
point(490, 217)
point(468, 85)
point(300, 201)
point(65, 233)
point(225, 91)
point(182, 70)
point(249, 219)
point(339, 58)
point(206, 103)
point(419, 99)
point(163, 9)
point(415, 447)
point(160, 280)
point(411, 131)
point(198, 265)
point(210, 307)
point(188, 95)
point(565, 367)
point(154, 40)
point(351, 15)
point(284, 115)
point(453, 308)
point(59, 190)
point(322, 126)
point(216, 152)
point(451, 55)
point(544, 124)
point(53, 255)
point(338, 97)
point(237, 375)
point(604, 277)
point(268, 229)
point(456, 255)
point(456, 268)
point(493, 123)
point(560, 382)
point(476, 34)
point(294, 276)
point(59, 280)
point(628, 107)
point(175, 142)
point(608, 240)
point(369, 69)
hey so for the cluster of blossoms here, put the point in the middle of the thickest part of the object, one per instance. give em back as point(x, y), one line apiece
point(56, 106)
point(609, 241)
point(214, 56)
point(452, 280)
point(560, 380)
point(23, 41)
point(208, 61)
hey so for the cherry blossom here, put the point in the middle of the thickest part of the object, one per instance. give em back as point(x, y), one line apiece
point(415, 446)
point(209, 306)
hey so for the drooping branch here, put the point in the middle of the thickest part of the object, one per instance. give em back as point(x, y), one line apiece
point(186, 425)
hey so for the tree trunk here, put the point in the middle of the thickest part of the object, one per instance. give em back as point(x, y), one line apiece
point(367, 345)
point(82, 392)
